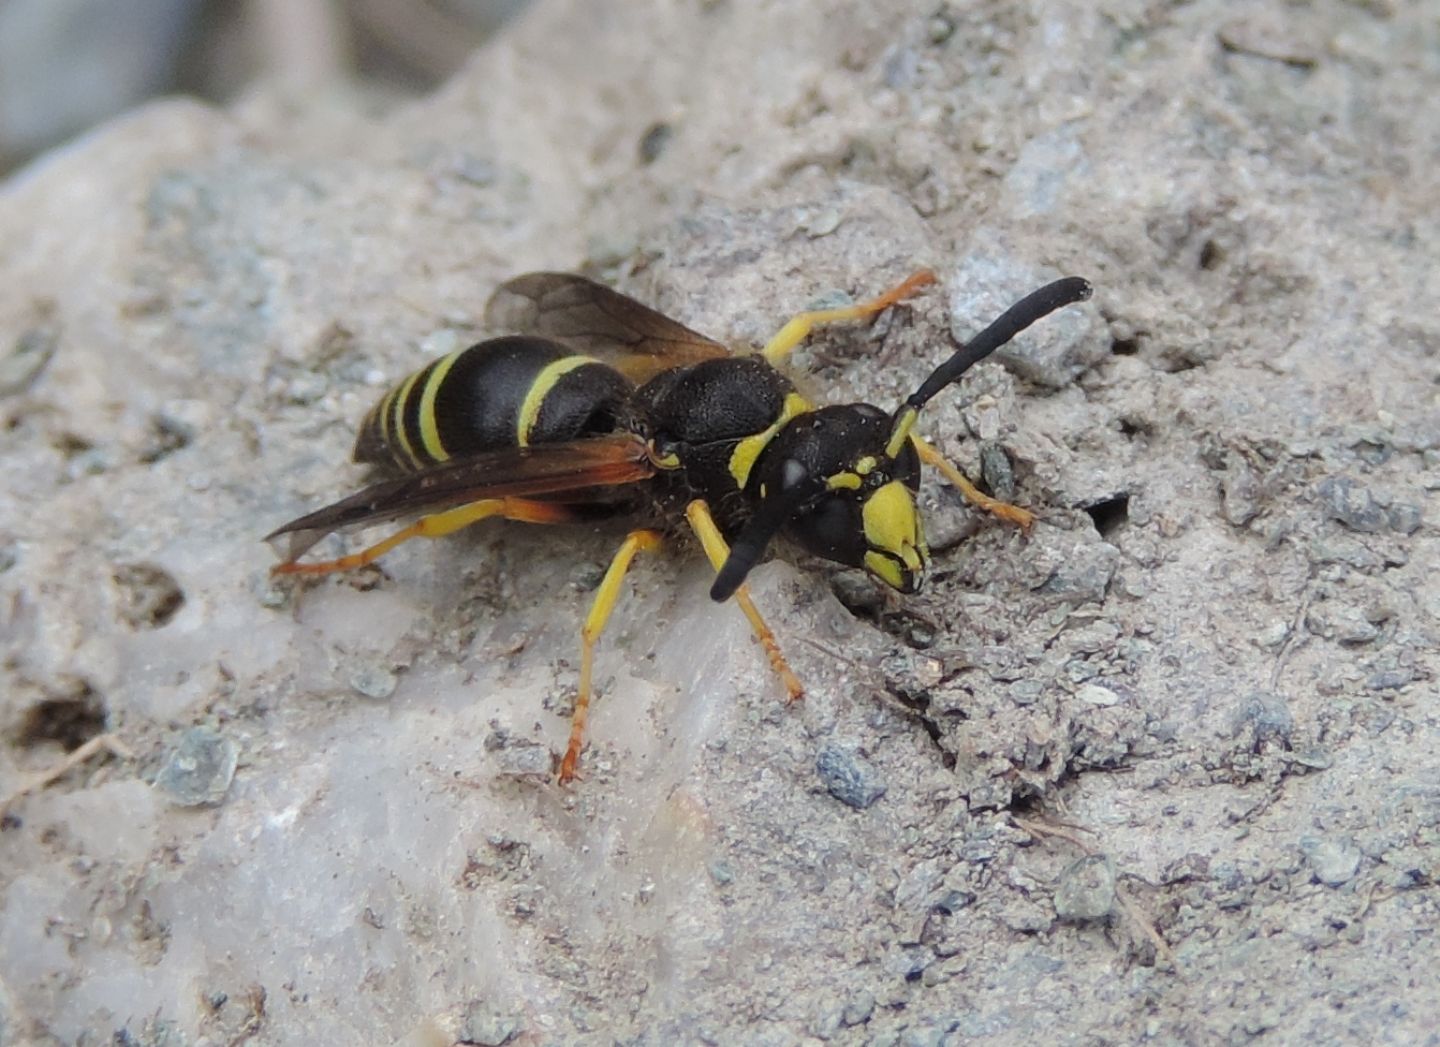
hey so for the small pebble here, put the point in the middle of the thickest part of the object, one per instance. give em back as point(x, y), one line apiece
point(1389, 679)
point(486, 1026)
point(653, 142)
point(1026, 692)
point(475, 169)
point(1086, 890)
point(940, 27)
point(32, 351)
point(1334, 861)
point(1404, 517)
point(1315, 759)
point(849, 778)
point(1351, 504)
point(822, 222)
point(522, 758)
point(1094, 694)
point(1266, 715)
point(306, 388)
point(199, 770)
point(858, 1010)
point(996, 470)
point(586, 577)
point(1274, 634)
point(373, 681)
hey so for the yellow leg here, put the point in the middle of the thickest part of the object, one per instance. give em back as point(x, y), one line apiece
point(1022, 518)
point(717, 550)
point(795, 332)
point(605, 598)
point(437, 525)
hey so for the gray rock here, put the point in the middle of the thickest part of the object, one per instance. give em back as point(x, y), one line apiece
point(1265, 716)
point(1404, 517)
point(1353, 505)
point(199, 769)
point(995, 468)
point(1084, 573)
point(1086, 890)
point(858, 1009)
point(487, 1026)
point(1334, 860)
point(373, 680)
point(848, 777)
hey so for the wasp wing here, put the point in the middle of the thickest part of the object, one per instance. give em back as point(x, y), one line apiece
point(579, 467)
point(591, 318)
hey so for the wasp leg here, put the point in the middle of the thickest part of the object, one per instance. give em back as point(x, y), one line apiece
point(605, 597)
point(1022, 518)
point(795, 331)
point(437, 525)
point(718, 550)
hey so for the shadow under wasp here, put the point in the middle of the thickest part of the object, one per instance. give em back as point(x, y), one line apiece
point(600, 407)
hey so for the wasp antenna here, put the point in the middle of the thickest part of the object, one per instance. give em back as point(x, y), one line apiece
point(1034, 306)
point(756, 535)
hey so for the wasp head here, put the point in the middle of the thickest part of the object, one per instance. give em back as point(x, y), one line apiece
point(848, 500)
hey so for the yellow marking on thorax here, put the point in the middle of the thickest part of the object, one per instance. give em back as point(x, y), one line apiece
point(843, 482)
point(742, 459)
point(397, 419)
point(429, 427)
point(539, 389)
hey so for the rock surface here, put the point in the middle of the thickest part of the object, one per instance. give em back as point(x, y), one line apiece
point(1213, 661)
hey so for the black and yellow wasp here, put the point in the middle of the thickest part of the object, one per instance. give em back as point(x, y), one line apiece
point(601, 406)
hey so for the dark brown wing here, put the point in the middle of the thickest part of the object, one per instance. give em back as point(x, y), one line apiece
point(593, 319)
point(519, 472)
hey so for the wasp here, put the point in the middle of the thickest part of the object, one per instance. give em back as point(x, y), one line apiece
point(598, 406)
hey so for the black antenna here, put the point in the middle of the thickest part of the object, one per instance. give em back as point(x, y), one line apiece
point(774, 512)
point(1034, 306)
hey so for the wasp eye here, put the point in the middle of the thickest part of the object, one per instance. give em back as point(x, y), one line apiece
point(832, 528)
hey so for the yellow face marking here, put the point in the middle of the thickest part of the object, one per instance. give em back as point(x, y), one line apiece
point(397, 418)
point(866, 465)
point(886, 569)
point(539, 389)
point(843, 482)
point(742, 459)
point(893, 526)
point(429, 428)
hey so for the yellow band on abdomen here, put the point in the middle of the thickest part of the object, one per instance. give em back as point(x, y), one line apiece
point(429, 428)
point(539, 389)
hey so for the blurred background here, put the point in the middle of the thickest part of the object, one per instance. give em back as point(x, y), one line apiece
point(66, 65)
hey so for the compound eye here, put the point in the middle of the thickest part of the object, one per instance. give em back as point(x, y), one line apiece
point(832, 528)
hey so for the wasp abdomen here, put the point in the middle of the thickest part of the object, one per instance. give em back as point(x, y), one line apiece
point(506, 392)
